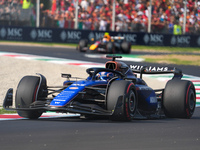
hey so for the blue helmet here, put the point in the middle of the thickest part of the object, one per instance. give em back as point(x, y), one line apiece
point(105, 76)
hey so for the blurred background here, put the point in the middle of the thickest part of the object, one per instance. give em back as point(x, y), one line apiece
point(176, 17)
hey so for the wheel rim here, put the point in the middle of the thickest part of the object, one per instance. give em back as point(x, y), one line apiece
point(132, 102)
point(191, 100)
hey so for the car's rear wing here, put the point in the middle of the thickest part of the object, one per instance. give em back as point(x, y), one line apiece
point(113, 38)
point(156, 70)
point(117, 37)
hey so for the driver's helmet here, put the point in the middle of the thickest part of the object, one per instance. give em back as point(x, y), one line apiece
point(105, 40)
point(106, 37)
point(104, 76)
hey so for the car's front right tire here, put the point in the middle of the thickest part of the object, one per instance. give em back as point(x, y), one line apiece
point(25, 95)
point(82, 44)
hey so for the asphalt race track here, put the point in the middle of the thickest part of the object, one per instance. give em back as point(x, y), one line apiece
point(101, 134)
point(72, 53)
point(75, 134)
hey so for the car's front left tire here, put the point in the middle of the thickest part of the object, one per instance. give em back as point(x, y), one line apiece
point(122, 100)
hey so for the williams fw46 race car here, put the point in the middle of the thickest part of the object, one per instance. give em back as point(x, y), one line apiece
point(115, 45)
point(112, 92)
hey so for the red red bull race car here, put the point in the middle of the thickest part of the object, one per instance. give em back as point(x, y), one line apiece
point(114, 45)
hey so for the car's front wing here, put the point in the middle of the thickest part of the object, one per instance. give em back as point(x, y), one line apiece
point(73, 107)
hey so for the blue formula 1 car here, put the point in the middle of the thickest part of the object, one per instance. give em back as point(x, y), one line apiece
point(113, 92)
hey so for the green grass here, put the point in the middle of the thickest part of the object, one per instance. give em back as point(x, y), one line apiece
point(166, 48)
point(178, 61)
point(171, 61)
point(3, 111)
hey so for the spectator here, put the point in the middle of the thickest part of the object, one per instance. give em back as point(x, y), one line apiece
point(171, 27)
point(84, 4)
point(197, 27)
point(2, 2)
point(119, 25)
point(177, 29)
point(95, 24)
point(26, 4)
point(87, 23)
point(102, 24)
point(54, 6)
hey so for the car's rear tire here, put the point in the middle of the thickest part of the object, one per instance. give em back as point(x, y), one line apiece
point(25, 95)
point(179, 99)
point(122, 100)
point(126, 47)
point(82, 44)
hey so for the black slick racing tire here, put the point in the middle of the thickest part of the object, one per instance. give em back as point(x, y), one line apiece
point(82, 45)
point(179, 99)
point(122, 100)
point(25, 95)
point(110, 49)
point(126, 47)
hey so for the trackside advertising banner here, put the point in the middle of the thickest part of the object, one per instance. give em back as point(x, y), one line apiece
point(57, 35)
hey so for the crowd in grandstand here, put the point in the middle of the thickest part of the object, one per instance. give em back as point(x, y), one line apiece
point(131, 15)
